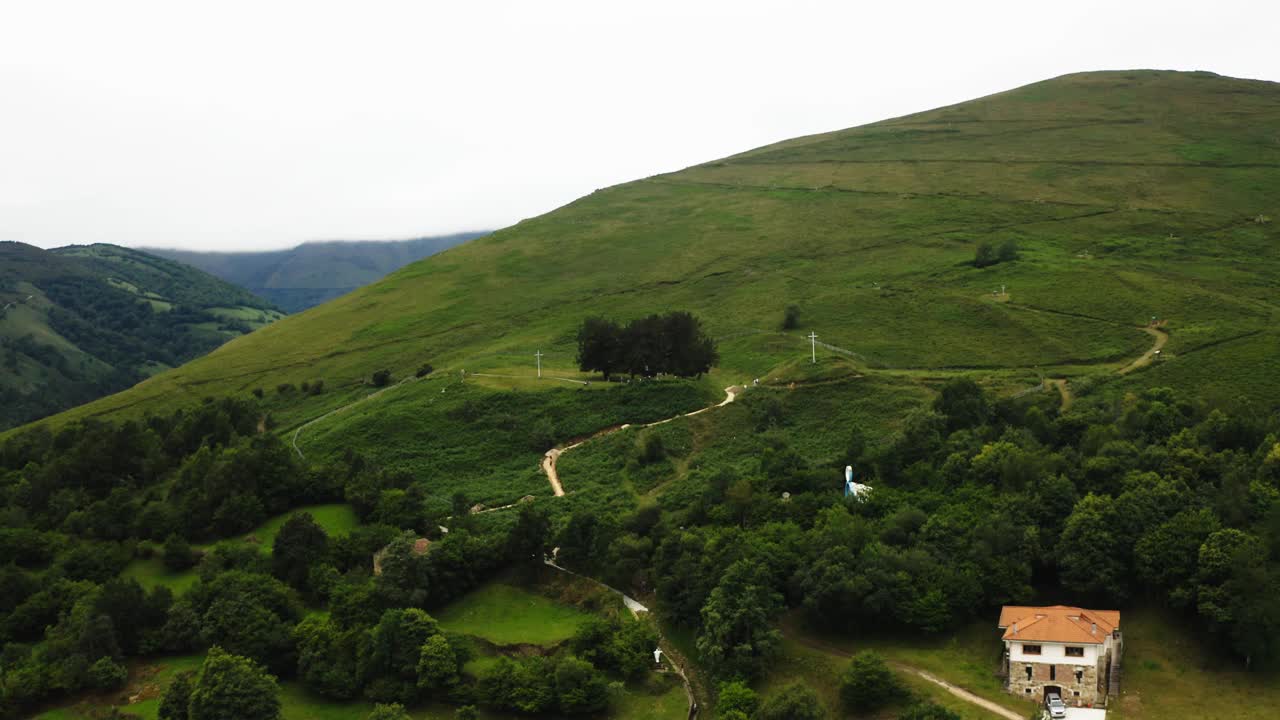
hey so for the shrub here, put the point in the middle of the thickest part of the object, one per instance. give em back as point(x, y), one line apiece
point(393, 711)
point(257, 392)
point(984, 255)
point(381, 378)
point(868, 684)
point(424, 371)
point(305, 387)
point(736, 696)
point(107, 674)
point(178, 554)
point(284, 388)
point(791, 318)
point(795, 702)
point(317, 387)
point(1008, 251)
point(929, 711)
point(652, 450)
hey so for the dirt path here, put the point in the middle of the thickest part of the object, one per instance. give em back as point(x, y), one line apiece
point(552, 455)
point(335, 411)
point(1161, 337)
point(1064, 391)
point(959, 692)
point(636, 607)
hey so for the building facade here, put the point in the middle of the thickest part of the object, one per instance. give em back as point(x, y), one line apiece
point(1068, 650)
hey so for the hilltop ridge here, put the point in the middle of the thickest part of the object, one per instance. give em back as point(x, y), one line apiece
point(314, 272)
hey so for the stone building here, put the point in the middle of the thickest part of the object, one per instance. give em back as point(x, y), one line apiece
point(1068, 650)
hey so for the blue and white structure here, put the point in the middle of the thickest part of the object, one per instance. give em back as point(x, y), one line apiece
point(851, 488)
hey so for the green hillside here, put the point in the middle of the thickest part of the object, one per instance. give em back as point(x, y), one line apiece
point(314, 272)
point(1128, 194)
point(83, 321)
point(1046, 340)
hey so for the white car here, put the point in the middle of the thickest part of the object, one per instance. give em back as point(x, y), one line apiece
point(1057, 709)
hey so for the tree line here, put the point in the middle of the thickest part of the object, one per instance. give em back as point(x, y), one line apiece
point(673, 344)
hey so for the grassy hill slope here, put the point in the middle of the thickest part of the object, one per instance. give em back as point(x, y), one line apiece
point(83, 321)
point(313, 273)
point(1128, 194)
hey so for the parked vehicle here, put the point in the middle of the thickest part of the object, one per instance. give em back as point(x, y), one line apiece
point(1053, 703)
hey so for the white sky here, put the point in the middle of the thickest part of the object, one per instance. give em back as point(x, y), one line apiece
point(254, 125)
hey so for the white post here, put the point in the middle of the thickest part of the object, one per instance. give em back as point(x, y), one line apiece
point(813, 347)
point(538, 355)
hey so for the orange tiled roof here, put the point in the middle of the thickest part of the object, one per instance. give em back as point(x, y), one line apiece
point(1057, 623)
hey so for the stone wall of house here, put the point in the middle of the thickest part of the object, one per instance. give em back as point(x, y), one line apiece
point(1089, 685)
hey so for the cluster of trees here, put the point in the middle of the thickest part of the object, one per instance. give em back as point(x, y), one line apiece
point(987, 254)
point(674, 344)
point(80, 504)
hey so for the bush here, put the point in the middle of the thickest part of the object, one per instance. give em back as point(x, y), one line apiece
point(257, 392)
point(305, 387)
point(929, 711)
point(381, 378)
point(284, 388)
point(652, 450)
point(178, 555)
point(424, 371)
point(984, 255)
point(791, 318)
point(317, 387)
point(795, 702)
point(867, 684)
point(393, 711)
point(107, 674)
point(737, 697)
point(1008, 251)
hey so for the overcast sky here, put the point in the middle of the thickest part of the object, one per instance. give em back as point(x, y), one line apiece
point(255, 125)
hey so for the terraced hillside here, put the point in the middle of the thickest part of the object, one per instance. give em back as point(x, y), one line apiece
point(1127, 196)
point(79, 322)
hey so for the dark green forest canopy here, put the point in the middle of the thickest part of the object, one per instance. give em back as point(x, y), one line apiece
point(977, 502)
point(81, 322)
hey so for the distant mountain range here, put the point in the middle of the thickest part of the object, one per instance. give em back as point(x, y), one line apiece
point(80, 322)
point(314, 272)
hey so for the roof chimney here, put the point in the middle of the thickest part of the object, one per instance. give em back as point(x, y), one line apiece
point(1014, 629)
point(1093, 628)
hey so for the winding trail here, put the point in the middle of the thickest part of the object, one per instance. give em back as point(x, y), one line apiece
point(1161, 336)
point(552, 455)
point(1064, 391)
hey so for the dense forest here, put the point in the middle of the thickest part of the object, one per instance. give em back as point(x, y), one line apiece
point(81, 322)
point(976, 503)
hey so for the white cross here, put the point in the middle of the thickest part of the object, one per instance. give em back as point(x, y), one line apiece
point(813, 347)
point(538, 355)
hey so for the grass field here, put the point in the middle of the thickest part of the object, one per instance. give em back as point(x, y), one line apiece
point(335, 518)
point(508, 615)
point(1169, 673)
